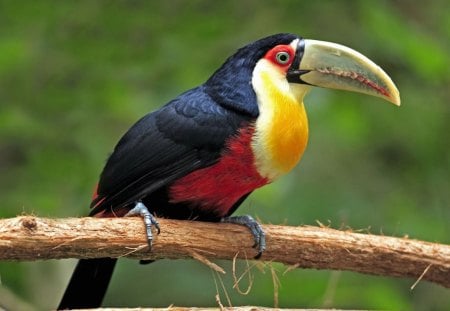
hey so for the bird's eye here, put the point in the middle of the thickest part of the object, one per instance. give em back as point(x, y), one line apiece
point(283, 58)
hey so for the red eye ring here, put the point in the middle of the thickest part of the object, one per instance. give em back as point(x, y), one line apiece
point(281, 55)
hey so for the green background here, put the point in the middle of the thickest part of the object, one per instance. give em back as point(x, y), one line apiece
point(74, 75)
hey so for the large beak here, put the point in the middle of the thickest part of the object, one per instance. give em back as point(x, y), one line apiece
point(335, 66)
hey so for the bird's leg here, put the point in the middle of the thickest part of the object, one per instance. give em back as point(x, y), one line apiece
point(255, 228)
point(141, 210)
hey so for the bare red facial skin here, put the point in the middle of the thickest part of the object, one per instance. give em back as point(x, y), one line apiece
point(281, 56)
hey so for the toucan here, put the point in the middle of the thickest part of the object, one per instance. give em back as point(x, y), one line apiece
point(202, 154)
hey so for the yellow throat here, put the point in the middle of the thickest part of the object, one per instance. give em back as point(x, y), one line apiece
point(281, 132)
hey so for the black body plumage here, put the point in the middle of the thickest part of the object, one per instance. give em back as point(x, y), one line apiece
point(187, 134)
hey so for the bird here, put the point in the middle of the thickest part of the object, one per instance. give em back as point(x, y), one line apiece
point(203, 153)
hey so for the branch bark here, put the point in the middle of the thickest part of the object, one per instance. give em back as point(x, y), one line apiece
point(33, 238)
point(244, 308)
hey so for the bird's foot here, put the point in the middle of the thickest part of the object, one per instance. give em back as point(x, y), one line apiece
point(149, 220)
point(255, 228)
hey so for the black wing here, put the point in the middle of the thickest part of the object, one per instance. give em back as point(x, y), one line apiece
point(186, 134)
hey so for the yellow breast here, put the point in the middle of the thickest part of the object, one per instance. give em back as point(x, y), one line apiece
point(282, 126)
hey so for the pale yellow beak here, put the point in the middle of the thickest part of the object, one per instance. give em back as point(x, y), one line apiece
point(331, 65)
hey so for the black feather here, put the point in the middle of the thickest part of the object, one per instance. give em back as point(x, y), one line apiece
point(88, 284)
point(186, 134)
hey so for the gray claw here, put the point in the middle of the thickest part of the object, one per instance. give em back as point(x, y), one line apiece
point(255, 228)
point(149, 220)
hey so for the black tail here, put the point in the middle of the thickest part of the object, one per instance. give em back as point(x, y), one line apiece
point(88, 284)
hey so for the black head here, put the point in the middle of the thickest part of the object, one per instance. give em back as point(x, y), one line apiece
point(230, 85)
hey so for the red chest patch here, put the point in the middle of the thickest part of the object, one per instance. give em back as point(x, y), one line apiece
point(218, 187)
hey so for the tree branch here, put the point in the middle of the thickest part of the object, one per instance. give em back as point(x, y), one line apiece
point(33, 238)
point(243, 308)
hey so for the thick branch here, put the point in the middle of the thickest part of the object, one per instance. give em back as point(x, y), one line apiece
point(32, 238)
point(245, 308)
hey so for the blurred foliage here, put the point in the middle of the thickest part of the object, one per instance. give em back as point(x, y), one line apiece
point(74, 75)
